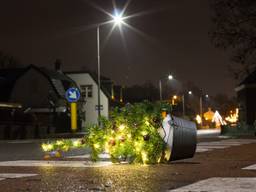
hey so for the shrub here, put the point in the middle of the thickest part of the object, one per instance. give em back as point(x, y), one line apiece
point(240, 129)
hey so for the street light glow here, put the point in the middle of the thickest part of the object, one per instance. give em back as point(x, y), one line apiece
point(190, 92)
point(170, 77)
point(118, 19)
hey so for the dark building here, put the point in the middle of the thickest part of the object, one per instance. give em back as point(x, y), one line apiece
point(41, 93)
point(246, 94)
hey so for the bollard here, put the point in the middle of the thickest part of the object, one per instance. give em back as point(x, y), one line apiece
point(180, 136)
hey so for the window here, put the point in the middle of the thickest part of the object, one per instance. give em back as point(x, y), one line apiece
point(86, 91)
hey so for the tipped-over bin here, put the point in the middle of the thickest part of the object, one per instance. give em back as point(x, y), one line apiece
point(180, 136)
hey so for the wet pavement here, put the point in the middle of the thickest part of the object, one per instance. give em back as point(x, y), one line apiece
point(27, 149)
point(227, 162)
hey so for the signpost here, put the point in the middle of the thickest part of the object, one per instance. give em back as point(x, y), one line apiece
point(72, 96)
point(97, 107)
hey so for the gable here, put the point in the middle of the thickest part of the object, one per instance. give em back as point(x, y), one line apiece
point(82, 77)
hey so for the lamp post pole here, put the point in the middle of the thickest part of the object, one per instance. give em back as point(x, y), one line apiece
point(183, 105)
point(117, 20)
point(98, 62)
point(201, 109)
point(170, 77)
point(160, 90)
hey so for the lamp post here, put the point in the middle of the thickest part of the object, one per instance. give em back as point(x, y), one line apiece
point(117, 20)
point(170, 77)
point(201, 109)
point(183, 103)
point(98, 67)
point(200, 104)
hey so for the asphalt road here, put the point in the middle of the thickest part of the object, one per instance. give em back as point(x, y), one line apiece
point(31, 149)
point(214, 159)
point(27, 150)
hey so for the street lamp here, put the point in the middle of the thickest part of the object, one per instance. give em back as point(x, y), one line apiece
point(174, 98)
point(183, 102)
point(200, 104)
point(170, 77)
point(117, 19)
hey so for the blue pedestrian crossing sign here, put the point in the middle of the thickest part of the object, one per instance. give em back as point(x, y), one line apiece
point(72, 95)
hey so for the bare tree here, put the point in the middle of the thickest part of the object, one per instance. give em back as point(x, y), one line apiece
point(7, 61)
point(234, 30)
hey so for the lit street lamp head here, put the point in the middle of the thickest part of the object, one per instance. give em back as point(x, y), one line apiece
point(118, 19)
point(170, 77)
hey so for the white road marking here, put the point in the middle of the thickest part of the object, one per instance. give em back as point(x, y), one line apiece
point(1, 179)
point(15, 175)
point(240, 140)
point(200, 150)
point(223, 137)
point(34, 163)
point(251, 167)
point(213, 147)
point(218, 144)
point(217, 184)
point(87, 156)
point(223, 144)
point(208, 131)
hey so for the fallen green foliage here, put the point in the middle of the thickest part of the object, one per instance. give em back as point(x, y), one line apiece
point(130, 134)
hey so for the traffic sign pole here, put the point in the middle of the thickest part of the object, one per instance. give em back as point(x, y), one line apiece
point(73, 109)
point(72, 96)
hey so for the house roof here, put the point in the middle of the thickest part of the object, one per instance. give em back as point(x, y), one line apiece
point(248, 82)
point(54, 74)
point(58, 80)
point(250, 79)
point(92, 74)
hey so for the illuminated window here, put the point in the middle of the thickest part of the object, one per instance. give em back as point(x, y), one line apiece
point(86, 91)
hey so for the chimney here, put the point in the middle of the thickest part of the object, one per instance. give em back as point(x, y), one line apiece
point(57, 65)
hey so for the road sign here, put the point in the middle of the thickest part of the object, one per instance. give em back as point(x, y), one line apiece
point(72, 95)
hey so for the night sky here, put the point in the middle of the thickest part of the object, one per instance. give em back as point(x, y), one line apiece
point(174, 39)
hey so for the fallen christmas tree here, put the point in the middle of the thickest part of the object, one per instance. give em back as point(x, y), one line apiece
point(130, 134)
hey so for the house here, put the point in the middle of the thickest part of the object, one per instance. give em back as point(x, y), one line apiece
point(88, 85)
point(41, 93)
point(246, 94)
